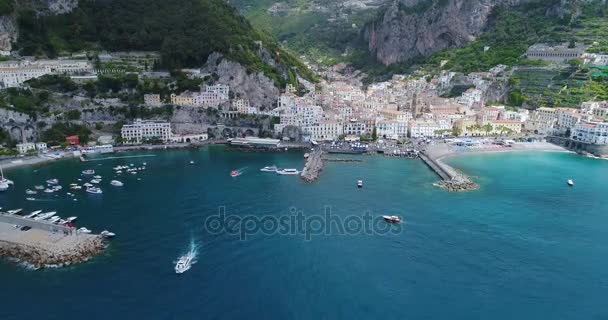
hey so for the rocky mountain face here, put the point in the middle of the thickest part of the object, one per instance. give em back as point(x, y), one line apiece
point(413, 28)
point(9, 31)
point(259, 89)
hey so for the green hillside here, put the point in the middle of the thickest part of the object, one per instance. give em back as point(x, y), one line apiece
point(184, 31)
point(324, 31)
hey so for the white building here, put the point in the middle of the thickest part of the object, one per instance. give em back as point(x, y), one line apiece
point(299, 116)
point(355, 128)
point(591, 132)
point(15, 73)
point(392, 129)
point(325, 130)
point(24, 148)
point(141, 130)
point(41, 147)
point(219, 89)
point(471, 98)
point(425, 129)
point(542, 121)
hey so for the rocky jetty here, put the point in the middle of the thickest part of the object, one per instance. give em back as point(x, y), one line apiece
point(458, 184)
point(313, 167)
point(40, 257)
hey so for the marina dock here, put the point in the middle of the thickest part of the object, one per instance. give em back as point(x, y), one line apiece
point(45, 244)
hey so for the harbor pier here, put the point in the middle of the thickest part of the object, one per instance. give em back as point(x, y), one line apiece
point(451, 180)
point(45, 244)
point(313, 167)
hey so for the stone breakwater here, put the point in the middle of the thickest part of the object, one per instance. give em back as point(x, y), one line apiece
point(459, 184)
point(313, 167)
point(451, 180)
point(40, 256)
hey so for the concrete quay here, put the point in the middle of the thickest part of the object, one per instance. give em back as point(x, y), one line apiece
point(45, 244)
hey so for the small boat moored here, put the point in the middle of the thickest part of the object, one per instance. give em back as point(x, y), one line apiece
point(570, 182)
point(288, 172)
point(107, 234)
point(94, 190)
point(270, 169)
point(391, 219)
point(83, 230)
point(117, 183)
point(360, 184)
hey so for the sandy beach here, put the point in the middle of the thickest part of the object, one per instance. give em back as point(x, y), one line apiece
point(28, 161)
point(443, 151)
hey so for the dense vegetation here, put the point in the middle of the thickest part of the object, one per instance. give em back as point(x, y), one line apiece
point(184, 31)
point(323, 36)
point(57, 133)
point(6, 7)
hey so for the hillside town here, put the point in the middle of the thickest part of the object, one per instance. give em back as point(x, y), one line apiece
point(446, 104)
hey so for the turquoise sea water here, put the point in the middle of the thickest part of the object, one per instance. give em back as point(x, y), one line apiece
point(525, 246)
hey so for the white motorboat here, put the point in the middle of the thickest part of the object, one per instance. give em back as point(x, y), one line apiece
point(570, 183)
point(95, 181)
point(30, 199)
point(183, 264)
point(94, 190)
point(133, 172)
point(30, 191)
point(45, 215)
point(116, 183)
point(33, 214)
point(4, 183)
point(288, 172)
point(83, 230)
point(88, 172)
point(392, 219)
point(70, 219)
point(87, 185)
point(54, 219)
point(97, 177)
point(270, 169)
point(191, 162)
point(360, 184)
point(49, 190)
point(39, 187)
point(14, 211)
point(52, 181)
point(107, 234)
point(76, 187)
point(57, 188)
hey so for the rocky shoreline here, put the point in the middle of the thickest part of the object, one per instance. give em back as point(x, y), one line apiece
point(40, 258)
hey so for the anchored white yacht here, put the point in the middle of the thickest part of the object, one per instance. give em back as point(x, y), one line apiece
point(270, 169)
point(288, 172)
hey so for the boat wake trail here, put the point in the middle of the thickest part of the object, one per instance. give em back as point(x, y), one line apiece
point(192, 252)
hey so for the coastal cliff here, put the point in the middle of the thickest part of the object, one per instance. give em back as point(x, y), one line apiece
point(412, 28)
